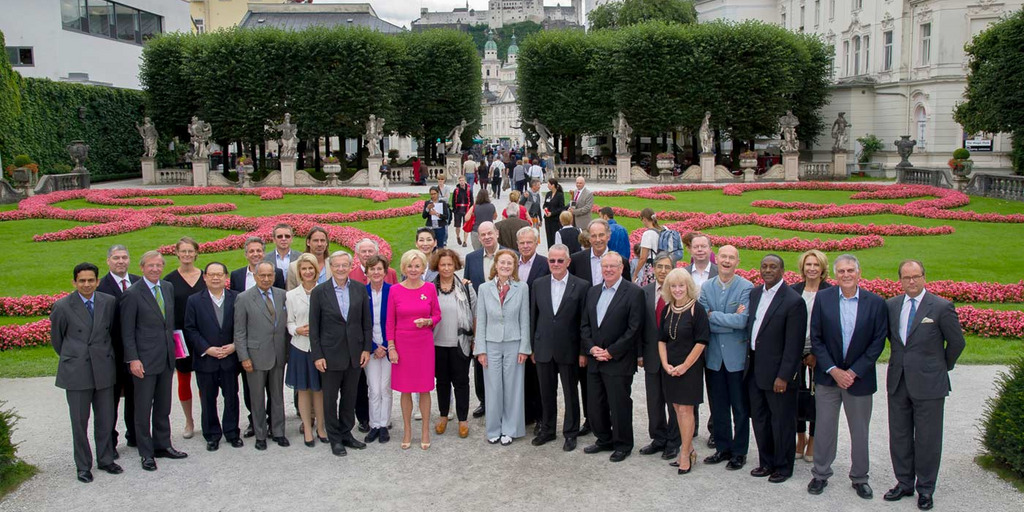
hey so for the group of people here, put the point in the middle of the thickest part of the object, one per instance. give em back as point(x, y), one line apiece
point(346, 331)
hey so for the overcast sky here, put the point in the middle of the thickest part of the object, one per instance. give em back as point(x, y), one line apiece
point(402, 12)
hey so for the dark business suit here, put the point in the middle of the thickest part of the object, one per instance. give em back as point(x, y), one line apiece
point(778, 345)
point(554, 203)
point(531, 398)
point(204, 329)
point(148, 337)
point(610, 382)
point(866, 344)
point(340, 340)
point(474, 271)
point(237, 283)
point(86, 371)
point(124, 384)
point(661, 418)
point(556, 348)
point(918, 383)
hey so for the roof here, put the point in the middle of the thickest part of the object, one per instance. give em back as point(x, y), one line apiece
point(300, 20)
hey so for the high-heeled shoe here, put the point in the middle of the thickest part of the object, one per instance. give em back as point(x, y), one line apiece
point(425, 446)
point(323, 439)
point(311, 443)
point(442, 426)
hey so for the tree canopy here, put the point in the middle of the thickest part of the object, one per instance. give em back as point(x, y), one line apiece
point(632, 12)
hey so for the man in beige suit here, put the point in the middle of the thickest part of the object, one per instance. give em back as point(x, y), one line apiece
point(582, 204)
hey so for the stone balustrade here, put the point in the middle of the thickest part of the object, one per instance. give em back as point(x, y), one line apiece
point(174, 176)
point(816, 171)
point(997, 186)
point(924, 176)
point(590, 172)
point(55, 182)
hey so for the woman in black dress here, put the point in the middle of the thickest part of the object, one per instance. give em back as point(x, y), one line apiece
point(187, 280)
point(683, 334)
point(554, 205)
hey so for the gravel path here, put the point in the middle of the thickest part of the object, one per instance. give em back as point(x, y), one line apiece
point(469, 474)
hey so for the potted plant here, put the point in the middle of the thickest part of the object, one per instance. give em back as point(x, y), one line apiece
point(665, 161)
point(961, 163)
point(869, 145)
point(23, 171)
point(332, 166)
point(748, 159)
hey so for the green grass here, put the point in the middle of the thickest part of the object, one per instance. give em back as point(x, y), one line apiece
point(991, 464)
point(28, 362)
point(13, 476)
point(15, 320)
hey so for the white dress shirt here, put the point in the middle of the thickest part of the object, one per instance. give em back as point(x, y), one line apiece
point(250, 278)
point(700, 276)
point(905, 313)
point(558, 290)
point(595, 267)
point(525, 267)
point(762, 308)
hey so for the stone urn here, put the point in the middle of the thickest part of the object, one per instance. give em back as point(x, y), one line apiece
point(665, 163)
point(79, 151)
point(904, 148)
point(332, 170)
point(244, 174)
point(961, 172)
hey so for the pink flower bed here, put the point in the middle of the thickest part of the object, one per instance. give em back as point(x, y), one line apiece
point(27, 335)
point(28, 305)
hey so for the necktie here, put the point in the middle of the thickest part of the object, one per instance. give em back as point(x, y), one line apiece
point(910, 317)
point(159, 299)
point(124, 285)
point(88, 305)
point(270, 306)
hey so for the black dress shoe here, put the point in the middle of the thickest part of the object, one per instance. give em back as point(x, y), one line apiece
point(237, 443)
point(717, 457)
point(652, 448)
point(149, 464)
point(816, 486)
point(618, 456)
point(249, 432)
point(597, 448)
point(760, 472)
point(543, 439)
point(373, 435)
point(585, 429)
point(864, 491)
point(924, 502)
point(479, 412)
point(261, 444)
point(711, 441)
point(897, 493)
point(671, 452)
point(169, 453)
point(85, 476)
point(112, 468)
point(384, 437)
point(338, 449)
point(311, 443)
point(353, 443)
point(212, 446)
point(778, 478)
point(282, 441)
point(569, 445)
point(364, 427)
point(736, 463)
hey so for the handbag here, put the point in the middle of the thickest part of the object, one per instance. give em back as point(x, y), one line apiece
point(467, 223)
point(505, 184)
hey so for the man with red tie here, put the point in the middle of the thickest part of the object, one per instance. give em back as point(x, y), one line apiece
point(582, 204)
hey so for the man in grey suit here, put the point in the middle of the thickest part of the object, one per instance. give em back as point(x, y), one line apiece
point(147, 326)
point(283, 255)
point(260, 327)
point(340, 338)
point(582, 204)
point(80, 334)
point(662, 424)
point(925, 338)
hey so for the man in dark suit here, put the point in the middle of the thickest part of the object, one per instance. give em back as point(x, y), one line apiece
point(80, 334)
point(209, 331)
point(115, 283)
point(662, 424)
point(478, 267)
point(610, 333)
point(147, 326)
point(283, 255)
point(848, 329)
point(340, 338)
point(775, 328)
point(508, 228)
point(924, 335)
point(556, 308)
point(531, 267)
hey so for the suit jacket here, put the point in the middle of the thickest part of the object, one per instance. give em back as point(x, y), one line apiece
point(555, 333)
point(331, 337)
point(584, 205)
point(475, 268)
point(728, 344)
point(257, 336)
point(202, 330)
point(271, 257)
point(780, 342)
point(385, 290)
point(579, 265)
point(147, 335)
point(866, 345)
point(237, 282)
point(358, 275)
point(930, 351)
point(554, 202)
point(649, 342)
point(538, 269)
point(83, 342)
point(507, 229)
point(503, 321)
point(108, 285)
point(621, 331)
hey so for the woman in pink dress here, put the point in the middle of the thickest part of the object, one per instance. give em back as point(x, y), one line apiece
point(413, 310)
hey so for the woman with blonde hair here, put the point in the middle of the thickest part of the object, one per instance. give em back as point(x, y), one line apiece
point(813, 266)
point(682, 337)
point(301, 375)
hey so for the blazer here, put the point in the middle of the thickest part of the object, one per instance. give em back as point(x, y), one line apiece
point(621, 331)
point(780, 342)
point(385, 289)
point(297, 304)
point(83, 342)
point(584, 205)
point(341, 342)
point(237, 281)
point(271, 257)
point(554, 203)
point(358, 275)
point(579, 265)
point(147, 335)
point(531, 200)
point(499, 322)
point(649, 342)
point(556, 336)
point(475, 268)
point(934, 343)
point(446, 214)
point(108, 285)
point(728, 344)
point(257, 336)
point(202, 330)
point(538, 269)
point(866, 345)
point(507, 229)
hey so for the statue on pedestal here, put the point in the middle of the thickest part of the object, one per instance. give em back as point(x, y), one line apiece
point(149, 137)
point(839, 133)
point(455, 135)
point(787, 126)
point(543, 136)
point(199, 132)
point(374, 134)
point(707, 137)
point(623, 132)
point(904, 148)
point(289, 142)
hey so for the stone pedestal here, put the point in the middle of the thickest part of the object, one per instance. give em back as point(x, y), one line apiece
point(453, 168)
point(148, 171)
point(707, 167)
point(791, 166)
point(373, 168)
point(839, 165)
point(288, 172)
point(749, 175)
point(622, 170)
point(201, 173)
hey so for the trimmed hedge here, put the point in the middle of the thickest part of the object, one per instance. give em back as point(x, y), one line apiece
point(1003, 423)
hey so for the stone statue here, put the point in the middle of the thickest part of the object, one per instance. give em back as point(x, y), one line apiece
point(149, 137)
point(200, 133)
point(543, 136)
point(289, 143)
point(707, 137)
point(374, 134)
point(904, 148)
point(623, 132)
point(787, 125)
point(839, 133)
point(455, 135)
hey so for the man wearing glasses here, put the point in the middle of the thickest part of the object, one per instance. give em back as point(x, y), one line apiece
point(283, 254)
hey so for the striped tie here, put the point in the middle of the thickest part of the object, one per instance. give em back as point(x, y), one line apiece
point(159, 299)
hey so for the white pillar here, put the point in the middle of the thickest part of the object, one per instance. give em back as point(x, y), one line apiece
point(148, 171)
point(839, 165)
point(452, 169)
point(622, 170)
point(791, 166)
point(288, 172)
point(707, 167)
point(201, 173)
point(373, 169)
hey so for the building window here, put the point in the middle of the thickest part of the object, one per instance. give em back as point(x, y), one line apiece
point(887, 50)
point(832, 10)
point(783, 20)
point(926, 44)
point(817, 12)
point(101, 17)
point(922, 126)
point(857, 5)
point(200, 26)
point(846, 58)
point(866, 42)
point(20, 56)
point(856, 55)
point(110, 19)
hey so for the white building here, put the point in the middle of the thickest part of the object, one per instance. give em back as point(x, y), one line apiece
point(498, 101)
point(89, 41)
point(503, 12)
point(899, 68)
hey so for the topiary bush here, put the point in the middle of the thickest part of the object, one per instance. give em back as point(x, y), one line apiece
point(1003, 421)
point(22, 160)
point(961, 154)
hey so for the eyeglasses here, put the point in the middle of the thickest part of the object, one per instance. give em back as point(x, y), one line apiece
point(912, 278)
point(282, 237)
point(556, 261)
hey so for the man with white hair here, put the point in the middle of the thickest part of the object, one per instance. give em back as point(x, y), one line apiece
point(582, 204)
point(365, 249)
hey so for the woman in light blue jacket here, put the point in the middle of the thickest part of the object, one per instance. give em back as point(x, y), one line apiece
point(502, 346)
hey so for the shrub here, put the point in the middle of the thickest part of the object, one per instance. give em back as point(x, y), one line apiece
point(961, 154)
point(1003, 422)
point(13, 471)
point(870, 144)
point(22, 160)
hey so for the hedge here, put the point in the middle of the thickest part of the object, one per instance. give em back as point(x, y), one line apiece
point(1003, 422)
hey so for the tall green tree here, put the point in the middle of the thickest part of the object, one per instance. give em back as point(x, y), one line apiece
point(632, 12)
point(10, 106)
point(995, 84)
point(171, 99)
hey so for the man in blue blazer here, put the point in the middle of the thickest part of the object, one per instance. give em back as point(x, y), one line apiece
point(848, 329)
point(209, 332)
point(478, 267)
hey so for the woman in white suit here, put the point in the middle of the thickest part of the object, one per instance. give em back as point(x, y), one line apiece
point(301, 375)
point(503, 344)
